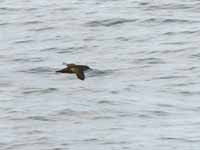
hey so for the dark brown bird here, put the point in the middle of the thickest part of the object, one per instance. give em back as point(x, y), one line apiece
point(75, 69)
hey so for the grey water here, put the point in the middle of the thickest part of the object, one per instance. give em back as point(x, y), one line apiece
point(144, 91)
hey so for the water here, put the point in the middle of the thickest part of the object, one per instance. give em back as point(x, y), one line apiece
point(142, 94)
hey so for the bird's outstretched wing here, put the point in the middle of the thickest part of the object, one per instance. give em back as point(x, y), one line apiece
point(80, 74)
point(71, 65)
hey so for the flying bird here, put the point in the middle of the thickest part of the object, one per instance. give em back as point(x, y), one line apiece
point(75, 69)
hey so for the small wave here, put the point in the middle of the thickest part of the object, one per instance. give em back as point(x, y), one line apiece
point(188, 68)
point(67, 112)
point(64, 50)
point(35, 59)
point(103, 117)
point(146, 116)
point(109, 22)
point(39, 70)
point(183, 84)
point(178, 21)
point(189, 93)
point(150, 20)
point(49, 49)
point(197, 55)
point(168, 7)
point(39, 91)
point(180, 32)
point(90, 140)
point(158, 112)
point(169, 77)
point(36, 131)
point(150, 61)
point(95, 72)
point(114, 92)
point(56, 38)
point(143, 3)
point(179, 139)
point(168, 20)
point(39, 118)
point(165, 105)
point(4, 24)
point(112, 142)
point(9, 9)
point(23, 41)
point(30, 9)
point(75, 113)
point(64, 9)
point(176, 43)
point(42, 29)
point(180, 50)
point(105, 102)
point(122, 39)
point(32, 22)
point(71, 49)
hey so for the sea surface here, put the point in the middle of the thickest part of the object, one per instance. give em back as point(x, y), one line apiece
point(142, 94)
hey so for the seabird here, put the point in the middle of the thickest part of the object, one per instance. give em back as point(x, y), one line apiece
point(75, 69)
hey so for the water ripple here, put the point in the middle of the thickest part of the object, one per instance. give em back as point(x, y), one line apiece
point(39, 118)
point(67, 112)
point(175, 77)
point(9, 9)
point(33, 22)
point(179, 21)
point(4, 24)
point(197, 55)
point(49, 49)
point(181, 32)
point(39, 91)
point(189, 93)
point(95, 72)
point(168, 6)
point(34, 59)
point(149, 61)
point(42, 29)
point(105, 102)
point(109, 22)
point(168, 21)
point(158, 113)
point(23, 41)
point(39, 70)
point(74, 49)
point(180, 139)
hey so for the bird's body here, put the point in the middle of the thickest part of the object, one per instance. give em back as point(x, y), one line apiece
point(75, 69)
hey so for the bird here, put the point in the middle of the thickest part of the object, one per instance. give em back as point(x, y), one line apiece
point(75, 69)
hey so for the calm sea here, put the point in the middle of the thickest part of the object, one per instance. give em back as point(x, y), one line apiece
point(142, 94)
